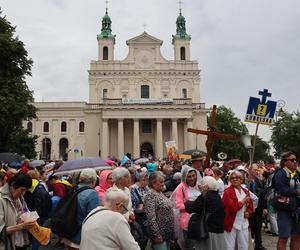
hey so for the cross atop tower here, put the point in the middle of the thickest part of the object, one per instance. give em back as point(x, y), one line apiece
point(144, 26)
point(180, 4)
point(106, 6)
point(264, 95)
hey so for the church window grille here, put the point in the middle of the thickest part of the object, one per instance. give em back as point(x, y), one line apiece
point(182, 53)
point(46, 127)
point(104, 93)
point(105, 53)
point(145, 91)
point(29, 127)
point(63, 127)
point(81, 127)
point(146, 126)
point(184, 93)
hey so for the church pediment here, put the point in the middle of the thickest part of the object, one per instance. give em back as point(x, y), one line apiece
point(144, 39)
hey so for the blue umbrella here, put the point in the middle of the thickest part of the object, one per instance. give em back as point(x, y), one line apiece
point(10, 157)
point(15, 164)
point(79, 164)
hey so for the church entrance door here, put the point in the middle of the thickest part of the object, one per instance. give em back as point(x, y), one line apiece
point(46, 153)
point(146, 150)
point(63, 147)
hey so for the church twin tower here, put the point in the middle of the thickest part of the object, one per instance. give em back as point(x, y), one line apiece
point(106, 40)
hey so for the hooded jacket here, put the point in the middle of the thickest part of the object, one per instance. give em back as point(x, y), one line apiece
point(103, 184)
point(182, 195)
point(8, 213)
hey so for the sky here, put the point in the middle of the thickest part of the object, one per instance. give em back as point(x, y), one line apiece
point(242, 46)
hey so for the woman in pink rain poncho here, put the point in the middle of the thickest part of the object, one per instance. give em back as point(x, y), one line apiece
point(105, 182)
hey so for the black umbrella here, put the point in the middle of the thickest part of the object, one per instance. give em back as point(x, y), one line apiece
point(10, 157)
point(194, 152)
point(77, 165)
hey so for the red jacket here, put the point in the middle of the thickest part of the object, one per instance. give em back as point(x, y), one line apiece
point(232, 206)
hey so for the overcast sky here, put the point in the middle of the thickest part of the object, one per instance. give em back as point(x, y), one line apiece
point(242, 46)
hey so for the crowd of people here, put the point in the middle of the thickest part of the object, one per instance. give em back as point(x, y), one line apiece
point(158, 205)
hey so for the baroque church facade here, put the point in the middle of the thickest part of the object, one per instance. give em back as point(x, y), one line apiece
point(135, 105)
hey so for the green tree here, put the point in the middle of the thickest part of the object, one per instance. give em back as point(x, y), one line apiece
point(286, 133)
point(228, 123)
point(262, 151)
point(15, 97)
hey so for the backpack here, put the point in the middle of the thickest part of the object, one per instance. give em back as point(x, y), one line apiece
point(64, 219)
point(270, 189)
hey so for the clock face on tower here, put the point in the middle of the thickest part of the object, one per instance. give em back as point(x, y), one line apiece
point(144, 59)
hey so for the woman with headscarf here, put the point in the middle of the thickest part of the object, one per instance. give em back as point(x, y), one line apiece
point(105, 182)
point(209, 204)
point(187, 190)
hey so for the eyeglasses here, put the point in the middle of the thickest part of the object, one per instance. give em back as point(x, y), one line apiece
point(292, 160)
point(235, 178)
point(125, 210)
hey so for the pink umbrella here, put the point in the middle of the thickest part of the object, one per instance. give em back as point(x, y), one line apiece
point(110, 162)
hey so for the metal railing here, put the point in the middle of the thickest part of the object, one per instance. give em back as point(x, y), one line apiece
point(119, 101)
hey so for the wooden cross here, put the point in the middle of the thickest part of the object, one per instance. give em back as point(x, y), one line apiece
point(211, 134)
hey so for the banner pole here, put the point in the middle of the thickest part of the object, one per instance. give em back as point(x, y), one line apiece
point(254, 143)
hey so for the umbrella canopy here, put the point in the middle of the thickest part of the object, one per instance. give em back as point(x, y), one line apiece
point(194, 151)
point(36, 163)
point(15, 164)
point(10, 157)
point(141, 160)
point(79, 164)
point(234, 161)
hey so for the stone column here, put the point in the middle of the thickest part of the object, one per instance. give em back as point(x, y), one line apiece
point(175, 131)
point(190, 136)
point(185, 136)
point(120, 138)
point(159, 139)
point(136, 138)
point(105, 140)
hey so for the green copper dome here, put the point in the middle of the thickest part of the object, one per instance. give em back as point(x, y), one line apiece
point(180, 28)
point(106, 28)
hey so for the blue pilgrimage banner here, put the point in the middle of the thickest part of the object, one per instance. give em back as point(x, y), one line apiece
point(260, 110)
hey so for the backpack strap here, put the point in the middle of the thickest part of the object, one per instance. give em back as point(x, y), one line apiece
point(138, 195)
point(77, 191)
point(95, 212)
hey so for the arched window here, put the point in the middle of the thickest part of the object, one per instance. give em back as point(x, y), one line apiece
point(182, 53)
point(145, 93)
point(46, 149)
point(46, 127)
point(29, 127)
point(81, 127)
point(63, 149)
point(104, 93)
point(105, 53)
point(63, 127)
point(184, 94)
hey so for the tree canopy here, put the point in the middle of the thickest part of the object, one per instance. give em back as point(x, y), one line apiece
point(15, 97)
point(286, 133)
